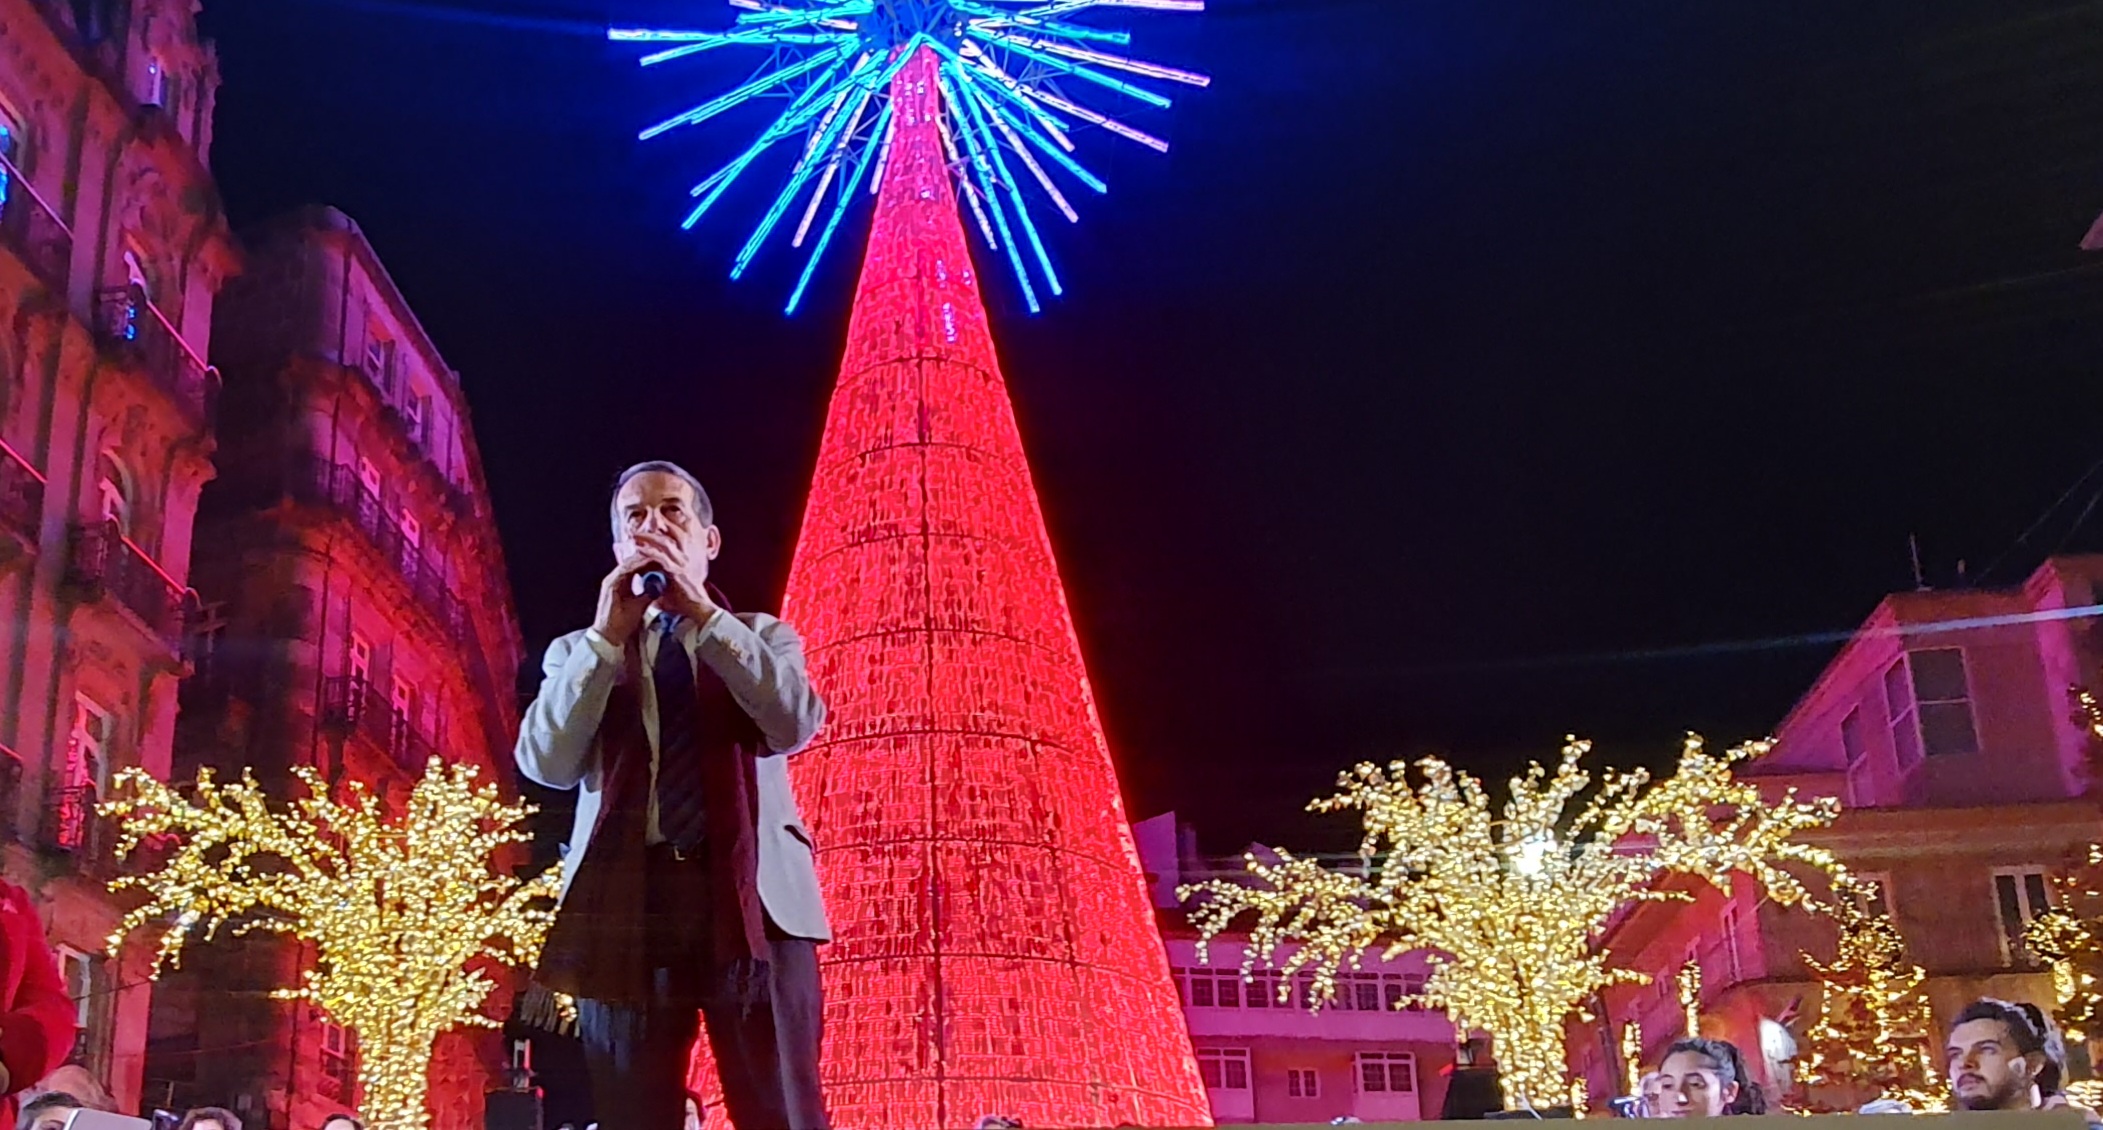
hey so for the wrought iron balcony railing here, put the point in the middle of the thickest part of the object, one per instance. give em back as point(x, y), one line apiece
point(319, 482)
point(21, 497)
point(134, 327)
point(71, 824)
point(107, 564)
point(33, 230)
point(350, 705)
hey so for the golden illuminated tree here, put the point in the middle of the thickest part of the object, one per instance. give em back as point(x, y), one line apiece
point(2070, 937)
point(409, 916)
point(1875, 1031)
point(1509, 909)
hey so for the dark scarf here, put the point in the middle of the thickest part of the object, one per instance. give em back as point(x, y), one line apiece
point(599, 946)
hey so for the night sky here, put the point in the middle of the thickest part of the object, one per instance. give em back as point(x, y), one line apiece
point(1462, 362)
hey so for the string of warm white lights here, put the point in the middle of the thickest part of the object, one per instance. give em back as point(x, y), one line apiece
point(408, 916)
point(1875, 1030)
point(1510, 908)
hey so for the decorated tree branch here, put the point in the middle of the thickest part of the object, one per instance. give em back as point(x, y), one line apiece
point(409, 916)
point(1510, 909)
point(1875, 1035)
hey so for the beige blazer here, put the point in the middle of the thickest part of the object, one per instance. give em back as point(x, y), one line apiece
point(760, 660)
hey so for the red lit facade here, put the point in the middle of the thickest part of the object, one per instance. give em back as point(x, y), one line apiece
point(996, 951)
point(356, 618)
point(112, 246)
point(1946, 729)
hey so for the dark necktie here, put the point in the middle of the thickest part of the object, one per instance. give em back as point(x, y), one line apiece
point(681, 815)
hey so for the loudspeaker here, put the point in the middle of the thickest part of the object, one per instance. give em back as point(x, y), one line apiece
point(511, 1110)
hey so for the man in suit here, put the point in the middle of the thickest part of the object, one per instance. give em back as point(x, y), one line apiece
point(688, 885)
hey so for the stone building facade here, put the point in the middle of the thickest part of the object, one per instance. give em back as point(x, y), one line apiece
point(112, 245)
point(355, 617)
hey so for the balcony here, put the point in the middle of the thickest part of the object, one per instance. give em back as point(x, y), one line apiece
point(107, 564)
point(32, 230)
point(321, 483)
point(351, 705)
point(21, 500)
point(135, 329)
point(73, 828)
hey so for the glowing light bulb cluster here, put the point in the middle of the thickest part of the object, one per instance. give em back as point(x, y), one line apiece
point(1009, 77)
point(408, 915)
point(1875, 1035)
point(1509, 908)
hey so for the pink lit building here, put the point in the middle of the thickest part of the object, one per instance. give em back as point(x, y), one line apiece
point(112, 246)
point(355, 619)
point(1270, 1062)
point(1946, 728)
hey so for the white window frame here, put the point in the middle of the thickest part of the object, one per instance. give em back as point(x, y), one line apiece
point(1884, 904)
point(1388, 1061)
point(412, 531)
point(90, 735)
point(379, 360)
point(401, 701)
point(1964, 667)
point(1225, 1059)
point(369, 477)
point(89, 1006)
point(2029, 913)
point(1903, 718)
point(1303, 1083)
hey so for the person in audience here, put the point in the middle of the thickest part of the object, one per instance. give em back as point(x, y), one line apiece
point(342, 1122)
point(2003, 1055)
point(79, 1082)
point(1706, 1079)
point(48, 1111)
point(36, 1016)
point(210, 1118)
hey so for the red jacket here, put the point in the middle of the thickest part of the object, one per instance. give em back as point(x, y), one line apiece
point(36, 1016)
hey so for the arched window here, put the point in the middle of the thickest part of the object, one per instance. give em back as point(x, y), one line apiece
point(113, 492)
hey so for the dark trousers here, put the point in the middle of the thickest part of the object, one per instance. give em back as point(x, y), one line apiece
point(765, 1039)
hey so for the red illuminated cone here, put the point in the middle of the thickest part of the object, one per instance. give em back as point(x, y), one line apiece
point(996, 952)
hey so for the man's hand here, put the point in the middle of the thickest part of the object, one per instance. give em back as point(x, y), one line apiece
point(685, 563)
point(621, 609)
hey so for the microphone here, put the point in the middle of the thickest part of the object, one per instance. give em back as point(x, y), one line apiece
point(654, 583)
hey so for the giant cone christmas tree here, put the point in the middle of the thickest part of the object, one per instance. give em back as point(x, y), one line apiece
point(995, 949)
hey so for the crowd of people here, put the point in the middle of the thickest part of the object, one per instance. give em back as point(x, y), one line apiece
point(1998, 1055)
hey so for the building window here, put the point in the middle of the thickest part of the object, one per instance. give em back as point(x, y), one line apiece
point(416, 409)
point(1942, 696)
point(1387, 1073)
point(339, 1070)
point(379, 361)
point(1215, 988)
point(87, 987)
point(1224, 1069)
point(1302, 1083)
point(153, 84)
point(1873, 893)
point(1262, 989)
point(1853, 743)
point(369, 477)
point(207, 633)
point(1898, 707)
point(10, 157)
point(2020, 895)
point(412, 531)
point(113, 492)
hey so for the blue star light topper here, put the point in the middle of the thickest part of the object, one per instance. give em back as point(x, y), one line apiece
point(1012, 72)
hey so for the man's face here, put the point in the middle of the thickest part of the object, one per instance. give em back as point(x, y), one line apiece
point(208, 1124)
point(1985, 1071)
point(53, 1118)
point(658, 503)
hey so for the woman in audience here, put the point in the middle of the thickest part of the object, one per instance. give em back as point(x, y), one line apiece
point(1706, 1079)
